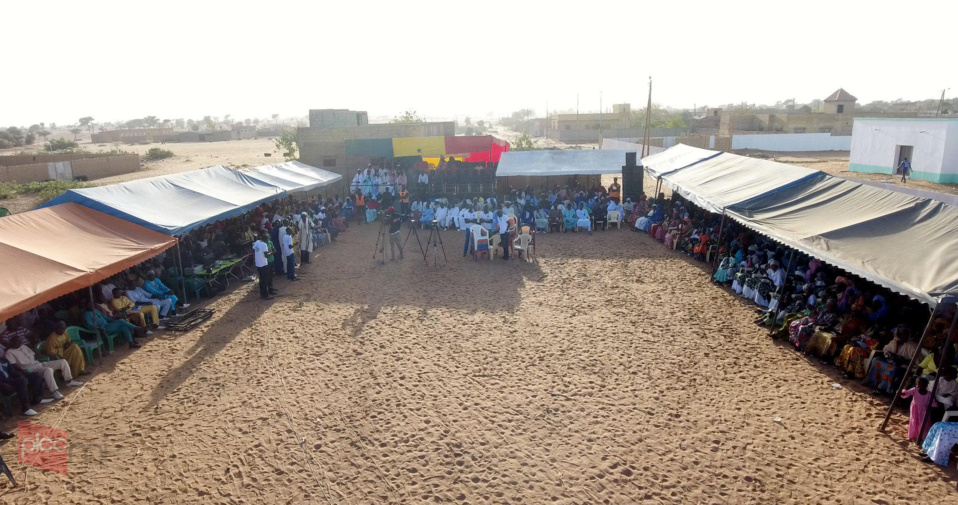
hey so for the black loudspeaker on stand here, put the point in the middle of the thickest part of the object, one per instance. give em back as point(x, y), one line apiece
point(633, 178)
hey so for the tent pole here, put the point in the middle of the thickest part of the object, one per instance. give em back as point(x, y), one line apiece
point(894, 398)
point(778, 290)
point(96, 328)
point(179, 257)
point(940, 364)
point(721, 227)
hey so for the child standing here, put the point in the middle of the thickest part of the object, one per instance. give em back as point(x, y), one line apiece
point(920, 398)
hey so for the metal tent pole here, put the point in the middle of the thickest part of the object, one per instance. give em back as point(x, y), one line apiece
point(96, 329)
point(911, 364)
point(721, 227)
point(179, 258)
point(940, 364)
point(778, 291)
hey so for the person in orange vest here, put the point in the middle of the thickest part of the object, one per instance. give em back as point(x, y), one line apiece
point(615, 191)
point(403, 201)
point(360, 207)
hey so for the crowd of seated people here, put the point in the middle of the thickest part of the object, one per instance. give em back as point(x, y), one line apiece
point(868, 332)
point(450, 176)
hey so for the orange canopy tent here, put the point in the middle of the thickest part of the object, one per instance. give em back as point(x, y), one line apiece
point(50, 252)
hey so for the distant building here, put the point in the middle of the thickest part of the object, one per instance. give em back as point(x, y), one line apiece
point(133, 135)
point(840, 102)
point(619, 119)
point(333, 118)
point(836, 119)
point(325, 146)
point(931, 145)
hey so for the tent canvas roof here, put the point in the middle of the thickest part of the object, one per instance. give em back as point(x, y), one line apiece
point(674, 158)
point(294, 176)
point(727, 179)
point(178, 203)
point(50, 252)
point(902, 242)
point(561, 163)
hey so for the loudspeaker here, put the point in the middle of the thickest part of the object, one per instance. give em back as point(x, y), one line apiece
point(632, 178)
point(632, 182)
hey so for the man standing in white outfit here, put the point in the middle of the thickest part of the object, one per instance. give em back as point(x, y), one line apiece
point(22, 356)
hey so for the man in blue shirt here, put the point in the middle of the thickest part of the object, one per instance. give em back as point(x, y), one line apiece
point(905, 167)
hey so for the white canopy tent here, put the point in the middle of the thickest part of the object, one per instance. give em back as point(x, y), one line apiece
point(675, 158)
point(561, 163)
point(726, 179)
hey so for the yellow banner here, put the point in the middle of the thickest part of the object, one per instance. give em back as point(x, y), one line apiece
point(419, 146)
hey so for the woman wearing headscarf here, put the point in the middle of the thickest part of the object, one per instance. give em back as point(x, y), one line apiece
point(568, 217)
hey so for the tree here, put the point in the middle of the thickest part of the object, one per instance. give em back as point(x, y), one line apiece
point(151, 121)
point(34, 128)
point(29, 139)
point(75, 131)
point(87, 122)
point(467, 121)
point(180, 123)
point(208, 121)
point(53, 126)
point(524, 143)
point(228, 120)
point(287, 143)
point(408, 117)
point(275, 116)
point(44, 134)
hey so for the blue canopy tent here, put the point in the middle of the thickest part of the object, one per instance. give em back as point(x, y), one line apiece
point(176, 204)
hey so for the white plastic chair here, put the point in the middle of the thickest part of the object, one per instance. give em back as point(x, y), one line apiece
point(614, 218)
point(523, 244)
point(480, 240)
point(494, 242)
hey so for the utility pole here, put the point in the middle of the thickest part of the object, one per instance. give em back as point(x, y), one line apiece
point(648, 119)
point(600, 114)
point(938, 112)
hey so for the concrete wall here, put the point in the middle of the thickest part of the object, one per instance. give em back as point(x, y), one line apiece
point(131, 135)
point(875, 141)
point(93, 167)
point(793, 142)
point(598, 135)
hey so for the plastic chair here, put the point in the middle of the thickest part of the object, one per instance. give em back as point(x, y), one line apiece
point(523, 244)
point(4, 212)
point(480, 241)
point(613, 217)
point(76, 336)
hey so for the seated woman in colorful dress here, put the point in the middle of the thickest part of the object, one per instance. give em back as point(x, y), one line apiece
point(801, 331)
point(937, 446)
point(886, 370)
point(568, 218)
point(728, 267)
point(701, 249)
point(677, 231)
point(852, 359)
point(655, 216)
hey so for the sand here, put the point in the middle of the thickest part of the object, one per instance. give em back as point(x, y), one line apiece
point(611, 372)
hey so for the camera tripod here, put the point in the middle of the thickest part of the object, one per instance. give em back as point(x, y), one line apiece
point(435, 239)
point(382, 239)
point(412, 231)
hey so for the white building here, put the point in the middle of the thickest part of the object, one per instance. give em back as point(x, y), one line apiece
point(931, 145)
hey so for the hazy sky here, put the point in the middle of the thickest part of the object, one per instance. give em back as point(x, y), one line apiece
point(123, 59)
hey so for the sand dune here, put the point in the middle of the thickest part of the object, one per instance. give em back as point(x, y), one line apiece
point(612, 372)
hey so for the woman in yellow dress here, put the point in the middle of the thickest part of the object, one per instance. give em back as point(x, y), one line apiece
point(59, 343)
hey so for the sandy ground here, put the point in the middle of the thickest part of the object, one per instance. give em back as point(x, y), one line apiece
point(611, 372)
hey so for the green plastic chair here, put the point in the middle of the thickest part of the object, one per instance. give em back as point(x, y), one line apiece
point(4, 212)
point(75, 334)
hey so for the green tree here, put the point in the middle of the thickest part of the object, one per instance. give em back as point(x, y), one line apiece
point(524, 143)
point(287, 143)
point(275, 117)
point(44, 134)
point(151, 121)
point(75, 131)
point(209, 122)
point(408, 117)
point(34, 128)
point(87, 123)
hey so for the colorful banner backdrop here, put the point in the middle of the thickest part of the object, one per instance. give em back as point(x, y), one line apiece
point(419, 146)
point(481, 148)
